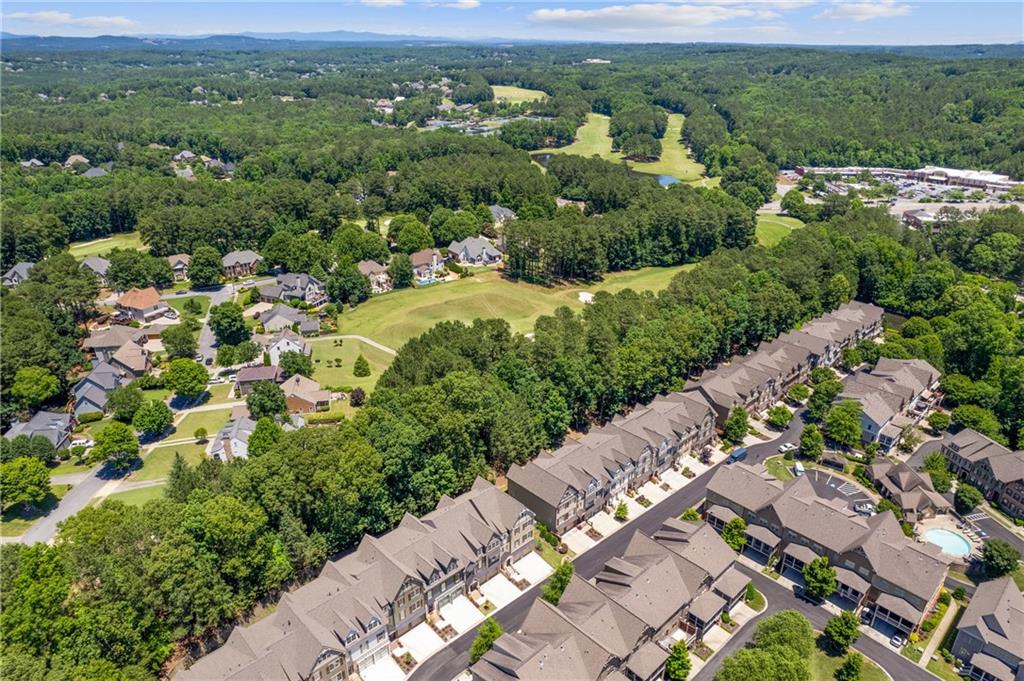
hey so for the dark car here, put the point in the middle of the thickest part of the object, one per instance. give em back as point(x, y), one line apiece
point(802, 594)
point(738, 455)
point(209, 361)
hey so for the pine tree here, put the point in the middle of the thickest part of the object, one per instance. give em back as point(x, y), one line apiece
point(181, 480)
point(361, 367)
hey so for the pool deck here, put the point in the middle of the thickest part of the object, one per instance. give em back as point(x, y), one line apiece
point(949, 524)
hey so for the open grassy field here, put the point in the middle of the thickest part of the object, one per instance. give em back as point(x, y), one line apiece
point(676, 158)
point(324, 351)
point(179, 304)
point(138, 497)
point(771, 229)
point(212, 420)
point(824, 666)
point(394, 318)
point(15, 521)
point(157, 464)
point(517, 95)
point(83, 249)
point(591, 138)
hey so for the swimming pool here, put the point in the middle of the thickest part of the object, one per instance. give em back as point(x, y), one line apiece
point(952, 543)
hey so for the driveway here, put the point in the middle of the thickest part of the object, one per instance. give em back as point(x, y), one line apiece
point(74, 501)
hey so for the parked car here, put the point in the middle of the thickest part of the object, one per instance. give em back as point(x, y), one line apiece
point(83, 443)
point(801, 593)
point(209, 361)
point(897, 641)
point(738, 455)
point(787, 447)
point(864, 508)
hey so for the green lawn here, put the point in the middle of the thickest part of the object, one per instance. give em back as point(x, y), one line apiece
point(83, 249)
point(771, 229)
point(69, 467)
point(138, 497)
point(15, 521)
point(324, 349)
point(157, 464)
point(591, 138)
point(159, 394)
point(676, 158)
point(824, 666)
point(395, 317)
point(178, 303)
point(779, 468)
point(758, 602)
point(212, 420)
point(90, 430)
point(220, 393)
point(517, 95)
point(943, 670)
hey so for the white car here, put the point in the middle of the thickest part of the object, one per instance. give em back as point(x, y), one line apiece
point(787, 447)
point(897, 641)
point(83, 443)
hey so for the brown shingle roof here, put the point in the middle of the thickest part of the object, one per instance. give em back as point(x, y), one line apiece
point(139, 298)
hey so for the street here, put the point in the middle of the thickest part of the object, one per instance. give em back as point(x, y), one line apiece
point(74, 501)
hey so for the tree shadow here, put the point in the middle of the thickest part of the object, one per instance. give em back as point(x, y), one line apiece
point(22, 513)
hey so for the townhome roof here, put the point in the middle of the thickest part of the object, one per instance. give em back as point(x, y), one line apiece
point(613, 626)
point(1007, 466)
point(903, 483)
point(996, 616)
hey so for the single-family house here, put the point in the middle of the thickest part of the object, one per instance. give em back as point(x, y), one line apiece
point(54, 426)
point(142, 304)
point(291, 286)
point(132, 358)
point(90, 393)
point(500, 214)
point(73, 159)
point(32, 163)
point(474, 250)
point(184, 155)
point(305, 395)
point(17, 274)
point(281, 316)
point(248, 377)
point(377, 274)
point(95, 172)
point(989, 466)
point(284, 340)
point(990, 634)
point(232, 442)
point(426, 263)
point(105, 342)
point(97, 266)
point(244, 263)
point(346, 619)
point(179, 265)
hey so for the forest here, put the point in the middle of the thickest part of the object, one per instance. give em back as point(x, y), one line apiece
point(124, 589)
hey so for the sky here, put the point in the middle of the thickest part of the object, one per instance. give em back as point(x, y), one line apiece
point(860, 22)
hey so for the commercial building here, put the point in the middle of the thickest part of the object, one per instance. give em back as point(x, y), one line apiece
point(345, 619)
point(578, 480)
point(895, 579)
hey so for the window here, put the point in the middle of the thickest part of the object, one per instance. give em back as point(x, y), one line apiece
point(351, 638)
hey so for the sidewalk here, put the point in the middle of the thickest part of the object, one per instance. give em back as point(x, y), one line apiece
point(938, 634)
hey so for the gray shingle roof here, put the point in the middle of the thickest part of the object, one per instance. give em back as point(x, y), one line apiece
point(996, 616)
point(52, 425)
point(243, 257)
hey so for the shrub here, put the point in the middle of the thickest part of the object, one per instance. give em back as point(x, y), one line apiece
point(621, 512)
point(90, 417)
point(959, 593)
point(200, 434)
point(945, 597)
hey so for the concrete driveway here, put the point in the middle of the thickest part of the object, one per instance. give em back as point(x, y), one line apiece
point(532, 568)
point(461, 614)
point(421, 641)
point(499, 591)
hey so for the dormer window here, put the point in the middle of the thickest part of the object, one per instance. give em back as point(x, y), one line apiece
point(374, 623)
point(352, 637)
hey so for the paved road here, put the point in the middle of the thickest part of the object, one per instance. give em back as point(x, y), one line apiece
point(780, 598)
point(74, 501)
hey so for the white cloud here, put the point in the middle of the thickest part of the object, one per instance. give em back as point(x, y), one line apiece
point(383, 3)
point(865, 11)
point(54, 18)
point(659, 16)
point(462, 4)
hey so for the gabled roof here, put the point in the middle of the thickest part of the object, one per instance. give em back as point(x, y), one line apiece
point(113, 337)
point(97, 264)
point(996, 616)
point(259, 373)
point(425, 257)
point(243, 257)
point(139, 298)
point(305, 389)
point(1006, 466)
point(21, 270)
point(474, 247)
point(52, 425)
point(132, 356)
point(179, 259)
point(292, 314)
point(369, 268)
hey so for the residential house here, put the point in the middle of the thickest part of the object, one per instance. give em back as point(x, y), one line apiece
point(142, 304)
point(184, 155)
point(759, 379)
point(232, 442)
point(73, 159)
point(243, 263)
point(500, 214)
point(97, 266)
point(345, 620)
point(304, 395)
point(989, 466)
point(105, 342)
point(54, 426)
point(302, 287)
point(17, 274)
point(377, 274)
point(32, 163)
point(893, 396)
point(474, 250)
point(426, 263)
point(179, 265)
point(91, 392)
point(132, 358)
point(310, 326)
point(573, 483)
point(95, 172)
point(248, 377)
point(281, 316)
point(919, 218)
point(895, 579)
point(990, 634)
point(623, 623)
point(908, 489)
point(281, 342)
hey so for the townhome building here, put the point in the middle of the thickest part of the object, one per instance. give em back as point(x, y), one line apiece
point(623, 623)
point(567, 486)
point(893, 396)
point(759, 379)
point(345, 619)
point(293, 286)
point(878, 569)
point(990, 634)
point(989, 466)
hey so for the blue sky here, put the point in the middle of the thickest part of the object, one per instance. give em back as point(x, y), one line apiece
point(751, 21)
